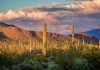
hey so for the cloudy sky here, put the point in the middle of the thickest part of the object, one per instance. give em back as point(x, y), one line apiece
point(5, 5)
point(58, 14)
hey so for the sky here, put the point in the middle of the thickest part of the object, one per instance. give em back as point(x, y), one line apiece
point(58, 14)
point(6, 5)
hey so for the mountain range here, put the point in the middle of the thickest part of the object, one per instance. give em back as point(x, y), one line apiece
point(94, 32)
point(15, 33)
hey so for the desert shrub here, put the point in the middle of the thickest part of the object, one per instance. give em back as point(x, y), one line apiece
point(80, 64)
point(15, 67)
point(53, 66)
point(31, 65)
point(4, 68)
point(5, 60)
point(55, 59)
point(93, 58)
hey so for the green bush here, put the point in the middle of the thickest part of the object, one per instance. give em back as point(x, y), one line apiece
point(80, 64)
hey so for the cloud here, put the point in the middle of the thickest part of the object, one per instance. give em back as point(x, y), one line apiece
point(91, 7)
point(11, 15)
point(50, 13)
point(32, 17)
point(43, 16)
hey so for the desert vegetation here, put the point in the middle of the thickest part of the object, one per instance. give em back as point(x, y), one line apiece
point(49, 55)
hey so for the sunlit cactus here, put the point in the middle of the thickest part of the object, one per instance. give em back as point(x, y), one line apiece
point(83, 42)
point(5, 45)
point(30, 46)
point(44, 38)
point(78, 42)
point(67, 42)
point(91, 44)
point(20, 43)
point(73, 31)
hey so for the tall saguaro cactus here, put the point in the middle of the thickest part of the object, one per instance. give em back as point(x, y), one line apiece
point(44, 38)
point(73, 31)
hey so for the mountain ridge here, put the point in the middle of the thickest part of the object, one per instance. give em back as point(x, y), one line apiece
point(5, 25)
point(94, 32)
point(86, 37)
point(15, 33)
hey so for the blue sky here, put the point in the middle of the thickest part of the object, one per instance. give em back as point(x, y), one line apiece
point(6, 5)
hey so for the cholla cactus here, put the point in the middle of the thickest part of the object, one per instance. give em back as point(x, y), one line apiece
point(44, 38)
point(73, 30)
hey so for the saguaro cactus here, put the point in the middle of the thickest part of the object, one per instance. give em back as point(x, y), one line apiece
point(78, 42)
point(73, 31)
point(83, 42)
point(44, 38)
point(30, 46)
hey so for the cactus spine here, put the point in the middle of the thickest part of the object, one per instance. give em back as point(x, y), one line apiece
point(44, 38)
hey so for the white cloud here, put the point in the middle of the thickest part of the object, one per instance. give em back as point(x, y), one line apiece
point(12, 15)
point(43, 13)
point(55, 14)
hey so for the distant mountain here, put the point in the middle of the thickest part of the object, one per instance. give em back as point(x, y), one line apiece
point(14, 33)
point(4, 25)
point(95, 33)
point(87, 38)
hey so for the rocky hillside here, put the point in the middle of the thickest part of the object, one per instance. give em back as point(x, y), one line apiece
point(88, 38)
point(15, 33)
